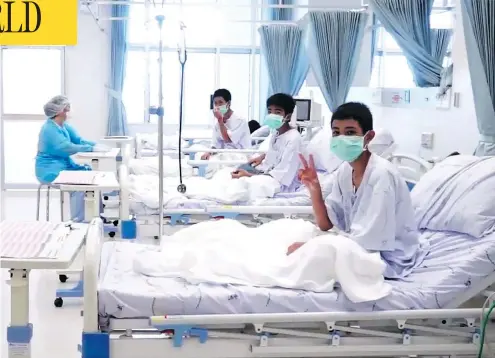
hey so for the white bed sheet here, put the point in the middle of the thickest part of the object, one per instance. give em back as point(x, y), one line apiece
point(455, 263)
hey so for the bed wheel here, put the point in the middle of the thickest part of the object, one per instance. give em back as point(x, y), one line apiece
point(156, 237)
point(116, 223)
point(105, 197)
point(59, 302)
point(63, 278)
point(111, 234)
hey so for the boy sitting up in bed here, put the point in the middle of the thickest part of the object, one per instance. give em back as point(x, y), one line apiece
point(369, 199)
point(281, 161)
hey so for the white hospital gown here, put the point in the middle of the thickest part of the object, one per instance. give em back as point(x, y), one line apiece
point(238, 131)
point(282, 160)
point(379, 215)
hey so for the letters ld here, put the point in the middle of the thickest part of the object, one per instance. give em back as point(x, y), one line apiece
point(7, 9)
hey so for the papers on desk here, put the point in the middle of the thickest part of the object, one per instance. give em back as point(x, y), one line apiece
point(77, 177)
point(100, 154)
point(25, 240)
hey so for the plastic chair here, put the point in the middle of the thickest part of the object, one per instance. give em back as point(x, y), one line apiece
point(38, 208)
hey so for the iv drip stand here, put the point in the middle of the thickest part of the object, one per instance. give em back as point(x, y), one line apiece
point(182, 60)
point(160, 113)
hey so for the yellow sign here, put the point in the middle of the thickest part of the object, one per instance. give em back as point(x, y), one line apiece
point(38, 22)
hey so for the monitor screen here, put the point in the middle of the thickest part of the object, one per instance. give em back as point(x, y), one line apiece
point(303, 109)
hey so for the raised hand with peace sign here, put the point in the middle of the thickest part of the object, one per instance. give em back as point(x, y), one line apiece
point(307, 175)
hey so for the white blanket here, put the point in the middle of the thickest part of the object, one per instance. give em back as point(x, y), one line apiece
point(227, 252)
point(149, 165)
point(150, 141)
point(221, 189)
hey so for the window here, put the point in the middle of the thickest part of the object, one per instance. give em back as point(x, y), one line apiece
point(390, 67)
point(220, 40)
point(134, 87)
point(21, 144)
point(234, 75)
point(30, 78)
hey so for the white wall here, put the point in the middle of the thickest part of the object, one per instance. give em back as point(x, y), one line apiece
point(87, 69)
point(454, 129)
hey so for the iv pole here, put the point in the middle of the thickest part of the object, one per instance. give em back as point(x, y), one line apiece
point(182, 52)
point(160, 19)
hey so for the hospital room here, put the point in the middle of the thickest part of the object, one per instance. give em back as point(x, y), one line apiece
point(247, 178)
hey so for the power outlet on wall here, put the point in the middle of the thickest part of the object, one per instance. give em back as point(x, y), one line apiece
point(427, 140)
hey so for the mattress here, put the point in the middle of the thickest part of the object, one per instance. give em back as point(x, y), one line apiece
point(455, 263)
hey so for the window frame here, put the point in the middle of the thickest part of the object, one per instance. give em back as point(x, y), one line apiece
point(20, 116)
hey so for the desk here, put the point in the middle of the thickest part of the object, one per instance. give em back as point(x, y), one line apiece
point(103, 182)
point(30, 246)
point(104, 161)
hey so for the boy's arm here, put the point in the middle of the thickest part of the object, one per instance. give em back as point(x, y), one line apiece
point(319, 208)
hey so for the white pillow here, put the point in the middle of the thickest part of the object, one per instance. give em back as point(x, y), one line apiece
point(457, 195)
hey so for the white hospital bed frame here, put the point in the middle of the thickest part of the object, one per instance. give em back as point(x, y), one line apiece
point(435, 332)
point(140, 151)
point(413, 173)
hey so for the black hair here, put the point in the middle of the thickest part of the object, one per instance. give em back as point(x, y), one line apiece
point(253, 126)
point(224, 93)
point(357, 111)
point(282, 100)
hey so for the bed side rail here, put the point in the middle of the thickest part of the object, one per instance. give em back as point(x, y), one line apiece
point(138, 145)
point(92, 256)
point(215, 150)
point(260, 210)
point(470, 314)
point(215, 162)
point(124, 192)
point(126, 153)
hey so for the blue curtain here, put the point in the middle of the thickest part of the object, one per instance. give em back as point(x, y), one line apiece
point(408, 22)
point(279, 14)
point(374, 36)
point(334, 44)
point(117, 119)
point(282, 47)
point(271, 14)
point(479, 33)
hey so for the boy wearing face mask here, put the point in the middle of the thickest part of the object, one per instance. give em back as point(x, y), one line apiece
point(230, 131)
point(281, 161)
point(369, 199)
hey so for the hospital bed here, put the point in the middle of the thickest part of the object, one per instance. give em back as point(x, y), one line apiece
point(28, 246)
point(180, 210)
point(128, 315)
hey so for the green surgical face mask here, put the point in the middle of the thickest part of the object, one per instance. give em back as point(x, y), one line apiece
point(223, 109)
point(273, 121)
point(347, 148)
